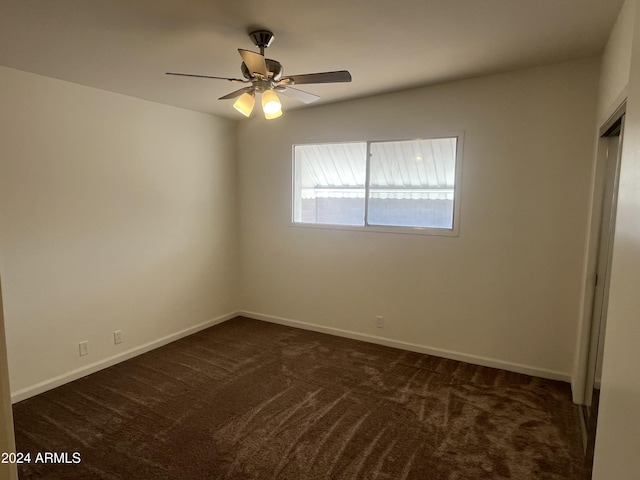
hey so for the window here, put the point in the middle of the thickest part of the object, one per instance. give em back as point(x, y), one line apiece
point(409, 183)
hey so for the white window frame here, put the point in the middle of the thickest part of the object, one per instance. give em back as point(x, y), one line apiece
point(447, 232)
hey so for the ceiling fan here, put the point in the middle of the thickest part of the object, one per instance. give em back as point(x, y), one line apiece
point(265, 77)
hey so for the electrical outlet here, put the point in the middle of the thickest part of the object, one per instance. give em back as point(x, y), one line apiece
point(117, 337)
point(84, 348)
point(379, 321)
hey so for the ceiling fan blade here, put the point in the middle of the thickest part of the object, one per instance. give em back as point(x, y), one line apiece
point(237, 93)
point(206, 76)
point(323, 77)
point(254, 62)
point(300, 95)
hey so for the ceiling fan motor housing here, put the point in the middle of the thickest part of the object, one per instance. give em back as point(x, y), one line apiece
point(273, 67)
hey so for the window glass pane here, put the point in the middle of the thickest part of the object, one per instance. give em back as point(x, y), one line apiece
point(412, 183)
point(329, 183)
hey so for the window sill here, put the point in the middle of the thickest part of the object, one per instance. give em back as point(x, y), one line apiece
point(439, 232)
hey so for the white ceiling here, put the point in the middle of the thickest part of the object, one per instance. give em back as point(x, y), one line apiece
point(126, 46)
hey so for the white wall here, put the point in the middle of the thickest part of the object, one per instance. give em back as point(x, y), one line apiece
point(115, 214)
point(618, 435)
point(612, 92)
point(616, 63)
point(507, 290)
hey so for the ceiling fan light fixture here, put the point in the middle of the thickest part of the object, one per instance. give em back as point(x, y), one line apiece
point(270, 116)
point(271, 105)
point(244, 104)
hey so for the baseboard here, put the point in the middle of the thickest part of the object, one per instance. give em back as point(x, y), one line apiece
point(54, 382)
point(59, 380)
point(438, 352)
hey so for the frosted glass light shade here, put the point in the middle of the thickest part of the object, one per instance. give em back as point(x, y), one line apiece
point(271, 105)
point(244, 104)
point(270, 116)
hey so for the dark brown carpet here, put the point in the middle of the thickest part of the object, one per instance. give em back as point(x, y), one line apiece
point(253, 400)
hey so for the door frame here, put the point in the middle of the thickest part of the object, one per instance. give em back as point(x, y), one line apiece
point(581, 367)
point(613, 136)
point(7, 439)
